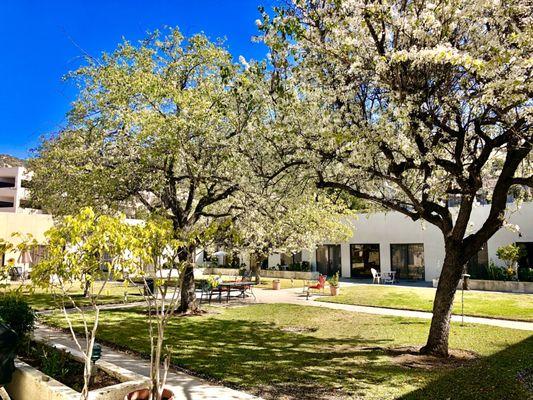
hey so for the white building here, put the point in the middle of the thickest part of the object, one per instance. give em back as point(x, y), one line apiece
point(15, 217)
point(390, 241)
point(12, 191)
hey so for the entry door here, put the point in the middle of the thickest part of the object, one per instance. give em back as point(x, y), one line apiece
point(328, 259)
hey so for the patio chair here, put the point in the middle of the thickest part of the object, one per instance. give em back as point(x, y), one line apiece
point(208, 290)
point(315, 285)
point(376, 276)
point(387, 277)
point(16, 274)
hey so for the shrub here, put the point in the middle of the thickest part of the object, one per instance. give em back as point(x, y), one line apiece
point(16, 313)
point(495, 273)
point(295, 267)
point(525, 274)
point(306, 266)
point(509, 254)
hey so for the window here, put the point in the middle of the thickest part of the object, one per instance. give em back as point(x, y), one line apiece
point(526, 258)
point(6, 204)
point(408, 260)
point(477, 265)
point(328, 259)
point(364, 257)
point(289, 259)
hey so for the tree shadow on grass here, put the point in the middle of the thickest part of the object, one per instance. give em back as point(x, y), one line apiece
point(296, 362)
point(265, 359)
point(502, 375)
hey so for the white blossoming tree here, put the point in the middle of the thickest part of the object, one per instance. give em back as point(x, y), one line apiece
point(404, 104)
point(291, 223)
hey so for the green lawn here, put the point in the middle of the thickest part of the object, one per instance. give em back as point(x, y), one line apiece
point(42, 299)
point(281, 351)
point(481, 304)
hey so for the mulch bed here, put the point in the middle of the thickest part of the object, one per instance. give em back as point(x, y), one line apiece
point(60, 366)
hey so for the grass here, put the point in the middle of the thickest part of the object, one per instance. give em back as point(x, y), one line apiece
point(480, 304)
point(46, 299)
point(43, 299)
point(281, 351)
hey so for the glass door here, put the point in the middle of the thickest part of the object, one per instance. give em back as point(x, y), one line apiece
point(408, 261)
point(364, 257)
point(328, 259)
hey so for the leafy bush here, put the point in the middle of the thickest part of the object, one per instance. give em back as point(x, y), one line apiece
point(495, 273)
point(16, 312)
point(510, 253)
point(306, 266)
point(55, 363)
point(525, 274)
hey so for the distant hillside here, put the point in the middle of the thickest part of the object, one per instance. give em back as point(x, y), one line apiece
point(9, 161)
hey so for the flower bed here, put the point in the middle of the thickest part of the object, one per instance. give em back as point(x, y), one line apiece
point(52, 372)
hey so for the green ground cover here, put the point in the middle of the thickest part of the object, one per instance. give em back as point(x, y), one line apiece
point(45, 299)
point(476, 303)
point(281, 351)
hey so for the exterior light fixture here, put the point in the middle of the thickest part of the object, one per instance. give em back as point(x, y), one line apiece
point(97, 353)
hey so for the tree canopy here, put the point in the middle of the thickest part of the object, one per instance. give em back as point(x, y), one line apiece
point(405, 104)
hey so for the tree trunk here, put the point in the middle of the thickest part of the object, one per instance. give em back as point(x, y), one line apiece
point(256, 271)
point(87, 289)
point(437, 343)
point(188, 303)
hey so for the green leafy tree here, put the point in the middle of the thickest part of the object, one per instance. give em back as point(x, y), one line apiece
point(5, 248)
point(155, 130)
point(405, 104)
point(153, 248)
point(84, 247)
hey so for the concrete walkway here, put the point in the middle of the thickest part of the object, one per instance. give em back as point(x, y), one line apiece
point(295, 296)
point(184, 386)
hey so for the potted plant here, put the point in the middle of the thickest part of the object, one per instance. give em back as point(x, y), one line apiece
point(276, 284)
point(334, 284)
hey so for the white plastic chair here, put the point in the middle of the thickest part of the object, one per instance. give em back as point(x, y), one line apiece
point(376, 276)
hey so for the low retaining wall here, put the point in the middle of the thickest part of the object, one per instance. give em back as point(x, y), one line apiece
point(265, 273)
point(219, 271)
point(30, 383)
point(501, 286)
point(269, 273)
point(496, 286)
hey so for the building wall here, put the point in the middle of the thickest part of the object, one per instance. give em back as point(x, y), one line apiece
point(34, 224)
point(395, 228)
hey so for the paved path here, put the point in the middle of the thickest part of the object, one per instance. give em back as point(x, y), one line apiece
point(185, 387)
point(295, 296)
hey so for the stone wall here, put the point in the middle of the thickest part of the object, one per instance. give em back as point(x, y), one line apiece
point(495, 286)
point(501, 286)
point(265, 273)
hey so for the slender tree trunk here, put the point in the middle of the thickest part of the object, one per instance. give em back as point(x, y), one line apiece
point(437, 343)
point(87, 289)
point(157, 389)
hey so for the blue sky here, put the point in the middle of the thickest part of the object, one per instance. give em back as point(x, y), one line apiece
point(41, 41)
